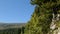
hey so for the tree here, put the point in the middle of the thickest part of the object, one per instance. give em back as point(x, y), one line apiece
point(42, 17)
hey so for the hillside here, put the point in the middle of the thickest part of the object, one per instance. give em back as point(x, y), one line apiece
point(11, 25)
point(12, 28)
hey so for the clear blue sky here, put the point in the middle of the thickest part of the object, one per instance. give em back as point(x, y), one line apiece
point(15, 11)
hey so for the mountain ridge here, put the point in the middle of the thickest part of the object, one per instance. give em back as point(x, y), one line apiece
point(11, 25)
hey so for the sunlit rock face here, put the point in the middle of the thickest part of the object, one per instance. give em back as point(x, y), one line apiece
point(58, 17)
point(53, 25)
point(59, 30)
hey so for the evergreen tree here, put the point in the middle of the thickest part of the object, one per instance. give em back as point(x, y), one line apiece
point(42, 17)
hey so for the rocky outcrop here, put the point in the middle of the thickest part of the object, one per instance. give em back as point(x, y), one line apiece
point(54, 27)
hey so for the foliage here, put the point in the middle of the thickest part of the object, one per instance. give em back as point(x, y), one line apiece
point(42, 16)
point(12, 31)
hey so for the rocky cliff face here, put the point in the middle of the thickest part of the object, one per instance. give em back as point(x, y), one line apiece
point(55, 24)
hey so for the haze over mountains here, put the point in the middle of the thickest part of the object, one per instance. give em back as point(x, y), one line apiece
point(11, 25)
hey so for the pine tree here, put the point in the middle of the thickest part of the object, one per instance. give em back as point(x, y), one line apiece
point(42, 17)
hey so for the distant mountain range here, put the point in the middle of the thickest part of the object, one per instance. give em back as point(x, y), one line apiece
point(11, 25)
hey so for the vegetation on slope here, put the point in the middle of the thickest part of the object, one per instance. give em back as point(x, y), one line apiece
point(17, 28)
point(42, 16)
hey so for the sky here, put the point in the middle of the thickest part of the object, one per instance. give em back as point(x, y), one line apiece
point(15, 11)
